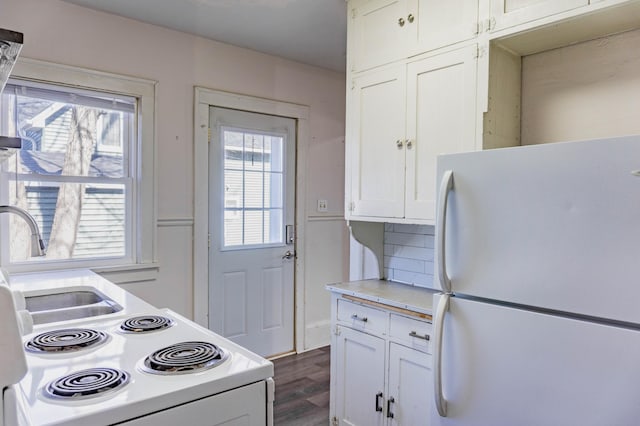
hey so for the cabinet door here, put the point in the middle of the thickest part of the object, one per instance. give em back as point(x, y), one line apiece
point(508, 13)
point(435, 23)
point(410, 386)
point(375, 144)
point(377, 33)
point(360, 378)
point(441, 117)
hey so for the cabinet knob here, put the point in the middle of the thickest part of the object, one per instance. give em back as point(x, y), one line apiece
point(409, 143)
point(410, 18)
point(401, 22)
point(399, 143)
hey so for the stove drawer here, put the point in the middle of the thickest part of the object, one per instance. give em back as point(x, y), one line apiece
point(249, 403)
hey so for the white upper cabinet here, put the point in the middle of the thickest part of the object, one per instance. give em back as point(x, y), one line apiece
point(384, 31)
point(507, 13)
point(436, 23)
point(375, 143)
point(400, 118)
point(441, 116)
point(377, 33)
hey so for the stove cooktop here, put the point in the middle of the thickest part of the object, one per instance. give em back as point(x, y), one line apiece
point(137, 391)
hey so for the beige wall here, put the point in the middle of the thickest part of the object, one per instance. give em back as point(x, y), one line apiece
point(585, 91)
point(63, 33)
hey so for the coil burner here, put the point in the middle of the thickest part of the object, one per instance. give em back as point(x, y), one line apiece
point(184, 358)
point(146, 323)
point(65, 340)
point(87, 383)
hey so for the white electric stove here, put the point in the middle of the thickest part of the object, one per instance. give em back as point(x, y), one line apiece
point(145, 367)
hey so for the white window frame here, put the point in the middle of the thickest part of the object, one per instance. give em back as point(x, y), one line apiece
point(142, 264)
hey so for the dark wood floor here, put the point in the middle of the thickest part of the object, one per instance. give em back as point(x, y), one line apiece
point(302, 389)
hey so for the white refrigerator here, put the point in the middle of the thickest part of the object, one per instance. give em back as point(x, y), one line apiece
point(538, 258)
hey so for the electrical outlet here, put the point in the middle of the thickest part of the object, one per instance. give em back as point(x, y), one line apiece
point(322, 205)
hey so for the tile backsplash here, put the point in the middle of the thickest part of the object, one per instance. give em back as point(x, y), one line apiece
point(408, 253)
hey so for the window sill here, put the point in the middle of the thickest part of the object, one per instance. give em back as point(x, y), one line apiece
point(129, 273)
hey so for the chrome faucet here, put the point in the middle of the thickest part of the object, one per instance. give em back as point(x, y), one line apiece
point(37, 245)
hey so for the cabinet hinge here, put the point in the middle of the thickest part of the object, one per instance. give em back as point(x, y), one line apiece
point(208, 240)
point(209, 134)
point(352, 206)
point(336, 331)
point(353, 14)
point(487, 25)
point(476, 28)
point(334, 421)
point(478, 52)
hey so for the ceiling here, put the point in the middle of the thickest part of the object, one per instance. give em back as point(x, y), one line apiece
point(308, 31)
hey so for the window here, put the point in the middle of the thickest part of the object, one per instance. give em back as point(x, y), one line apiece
point(253, 188)
point(79, 172)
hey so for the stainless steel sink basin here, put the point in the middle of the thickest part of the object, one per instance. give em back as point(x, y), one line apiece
point(68, 305)
point(46, 302)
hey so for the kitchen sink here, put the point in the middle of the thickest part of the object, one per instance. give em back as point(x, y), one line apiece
point(46, 302)
point(68, 305)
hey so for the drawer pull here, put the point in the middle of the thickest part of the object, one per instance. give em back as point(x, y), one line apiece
point(357, 318)
point(420, 336)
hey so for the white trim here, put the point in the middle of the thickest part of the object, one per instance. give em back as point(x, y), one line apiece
point(203, 99)
point(175, 221)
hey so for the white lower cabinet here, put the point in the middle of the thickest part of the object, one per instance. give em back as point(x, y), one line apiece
point(410, 392)
point(382, 375)
point(360, 365)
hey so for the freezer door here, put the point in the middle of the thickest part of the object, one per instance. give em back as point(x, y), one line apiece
point(555, 226)
point(502, 366)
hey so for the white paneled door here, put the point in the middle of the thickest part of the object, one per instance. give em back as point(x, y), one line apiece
point(251, 217)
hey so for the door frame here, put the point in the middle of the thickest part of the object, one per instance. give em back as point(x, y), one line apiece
point(204, 99)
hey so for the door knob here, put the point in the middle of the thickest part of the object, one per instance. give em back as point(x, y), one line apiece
point(289, 255)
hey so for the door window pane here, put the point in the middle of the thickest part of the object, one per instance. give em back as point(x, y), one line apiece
point(253, 186)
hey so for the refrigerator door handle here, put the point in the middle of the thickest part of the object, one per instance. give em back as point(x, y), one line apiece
point(442, 308)
point(445, 187)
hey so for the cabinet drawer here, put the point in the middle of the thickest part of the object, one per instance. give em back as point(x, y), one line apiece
point(362, 317)
point(411, 332)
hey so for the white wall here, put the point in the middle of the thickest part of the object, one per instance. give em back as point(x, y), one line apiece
point(585, 91)
point(68, 34)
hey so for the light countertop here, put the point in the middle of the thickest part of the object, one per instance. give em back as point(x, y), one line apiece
point(417, 299)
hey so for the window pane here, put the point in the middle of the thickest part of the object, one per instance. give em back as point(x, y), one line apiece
point(253, 191)
point(233, 149)
point(253, 148)
point(274, 146)
point(76, 220)
point(233, 183)
point(273, 225)
point(232, 228)
point(253, 184)
point(253, 227)
point(72, 135)
point(274, 189)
